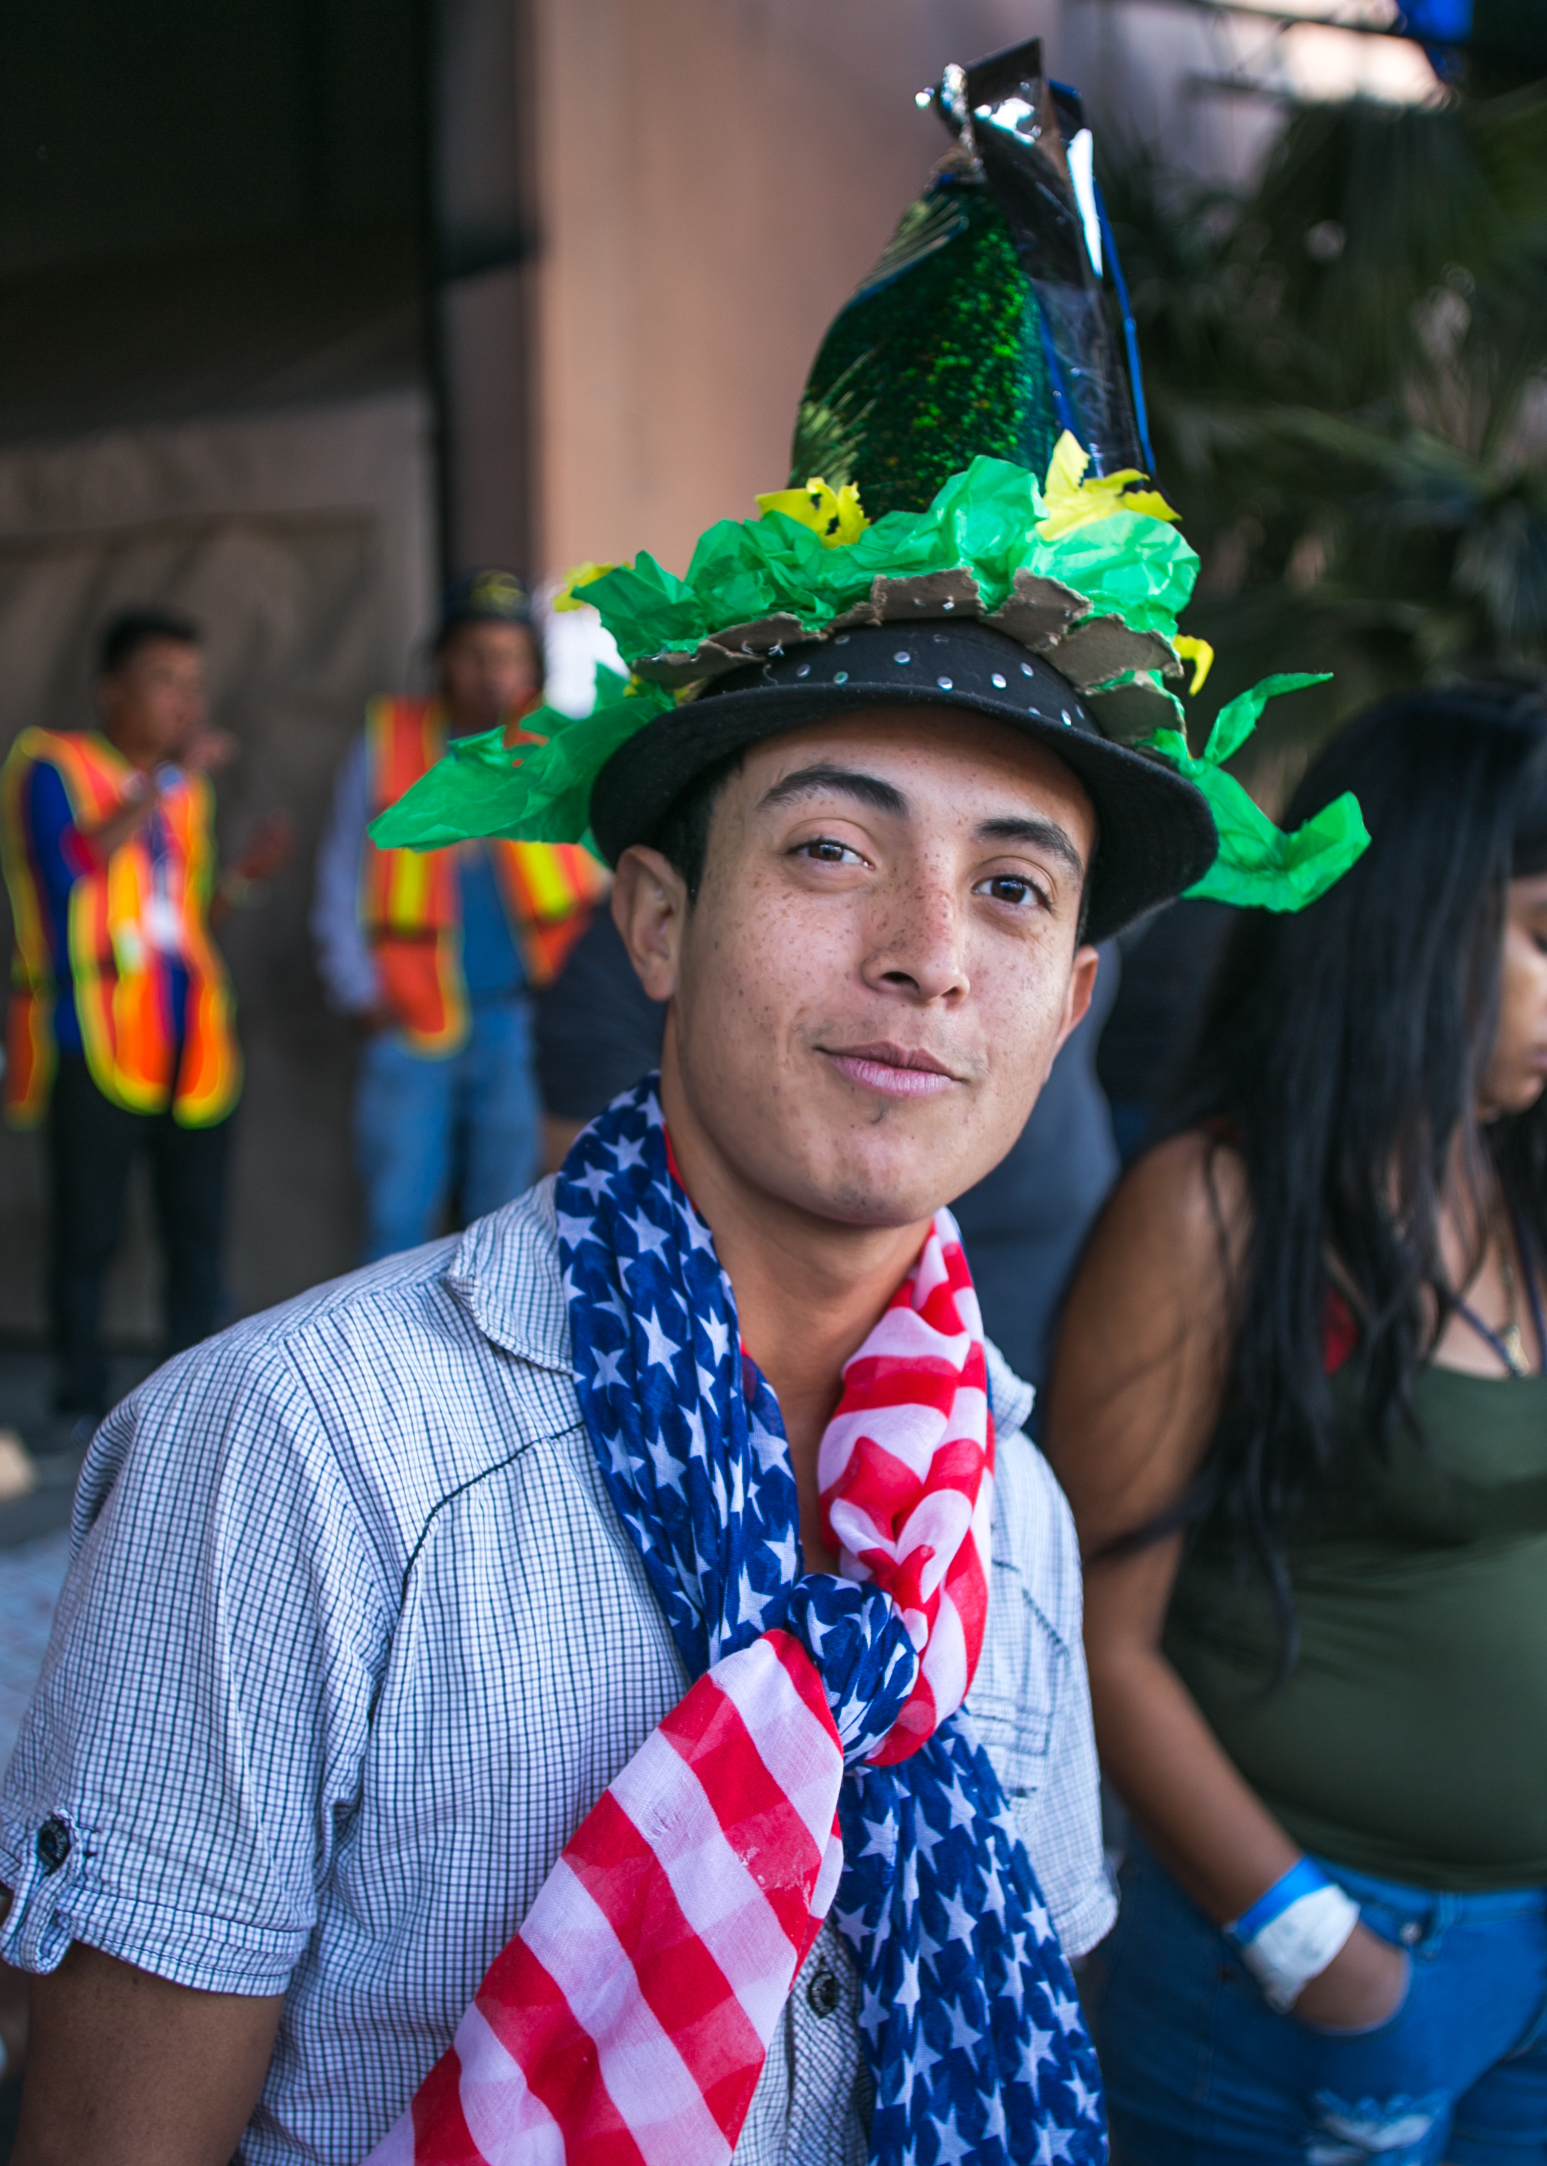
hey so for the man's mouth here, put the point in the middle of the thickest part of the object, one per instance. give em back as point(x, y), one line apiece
point(896, 1071)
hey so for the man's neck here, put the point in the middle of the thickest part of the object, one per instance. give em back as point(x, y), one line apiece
point(808, 1290)
point(129, 746)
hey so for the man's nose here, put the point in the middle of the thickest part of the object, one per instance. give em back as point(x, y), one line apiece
point(920, 949)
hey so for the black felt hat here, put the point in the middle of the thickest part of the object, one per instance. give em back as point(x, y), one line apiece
point(1156, 832)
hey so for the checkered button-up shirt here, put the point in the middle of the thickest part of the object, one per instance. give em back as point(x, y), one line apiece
point(353, 1639)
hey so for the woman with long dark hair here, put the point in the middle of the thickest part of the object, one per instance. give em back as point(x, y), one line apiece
point(1299, 1409)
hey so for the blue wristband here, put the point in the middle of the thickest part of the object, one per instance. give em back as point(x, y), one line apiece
point(1303, 1878)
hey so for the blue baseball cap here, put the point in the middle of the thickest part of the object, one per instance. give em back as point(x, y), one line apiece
point(489, 596)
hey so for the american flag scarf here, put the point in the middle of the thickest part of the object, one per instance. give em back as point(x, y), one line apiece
point(819, 1755)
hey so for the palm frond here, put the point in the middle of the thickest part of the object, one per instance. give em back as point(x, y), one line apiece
point(1347, 378)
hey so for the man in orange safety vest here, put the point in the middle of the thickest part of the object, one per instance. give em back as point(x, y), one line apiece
point(432, 955)
point(120, 1029)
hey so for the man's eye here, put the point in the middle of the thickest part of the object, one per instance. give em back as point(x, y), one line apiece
point(1010, 887)
point(827, 851)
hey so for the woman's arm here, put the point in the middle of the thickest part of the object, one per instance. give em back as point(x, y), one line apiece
point(1134, 1400)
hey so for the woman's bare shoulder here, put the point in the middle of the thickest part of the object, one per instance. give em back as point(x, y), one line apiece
point(1186, 1201)
point(1142, 1352)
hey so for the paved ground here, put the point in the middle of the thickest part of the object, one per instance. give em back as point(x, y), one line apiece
point(30, 1579)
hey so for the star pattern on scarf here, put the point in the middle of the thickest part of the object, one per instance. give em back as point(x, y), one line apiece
point(972, 2025)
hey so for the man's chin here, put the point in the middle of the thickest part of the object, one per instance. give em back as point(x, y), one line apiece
point(892, 1189)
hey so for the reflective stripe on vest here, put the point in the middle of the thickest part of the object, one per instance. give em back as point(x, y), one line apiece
point(410, 900)
point(119, 990)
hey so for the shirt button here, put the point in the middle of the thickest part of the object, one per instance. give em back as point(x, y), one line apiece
point(823, 1993)
point(53, 1844)
point(1410, 1935)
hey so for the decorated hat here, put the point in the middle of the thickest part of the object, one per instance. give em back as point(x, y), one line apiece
point(968, 525)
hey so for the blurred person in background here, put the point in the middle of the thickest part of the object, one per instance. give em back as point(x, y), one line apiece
point(121, 1027)
point(1167, 965)
point(432, 955)
point(1299, 1409)
point(598, 1032)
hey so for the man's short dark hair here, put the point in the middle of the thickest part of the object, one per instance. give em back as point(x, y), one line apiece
point(123, 636)
point(683, 836)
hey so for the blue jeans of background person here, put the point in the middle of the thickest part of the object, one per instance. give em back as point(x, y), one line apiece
point(427, 1132)
point(1200, 2071)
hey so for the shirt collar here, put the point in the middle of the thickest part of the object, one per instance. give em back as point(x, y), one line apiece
point(504, 1272)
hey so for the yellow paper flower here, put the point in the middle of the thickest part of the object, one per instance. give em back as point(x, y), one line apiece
point(579, 576)
point(1072, 501)
point(832, 514)
point(1199, 653)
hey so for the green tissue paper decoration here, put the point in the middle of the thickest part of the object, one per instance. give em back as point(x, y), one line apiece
point(525, 793)
point(991, 521)
point(983, 521)
point(1258, 864)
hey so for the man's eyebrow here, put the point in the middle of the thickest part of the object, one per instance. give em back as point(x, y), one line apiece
point(1041, 834)
point(886, 797)
point(847, 782)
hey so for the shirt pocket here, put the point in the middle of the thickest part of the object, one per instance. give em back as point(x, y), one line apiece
point(1014, 1701)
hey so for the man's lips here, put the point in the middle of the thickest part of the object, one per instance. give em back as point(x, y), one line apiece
point(898, 1071)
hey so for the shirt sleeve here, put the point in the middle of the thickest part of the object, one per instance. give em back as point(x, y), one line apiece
point(197, 1738)
point(344, 960)
point(1062, 1823)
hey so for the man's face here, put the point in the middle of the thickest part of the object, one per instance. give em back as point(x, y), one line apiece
point(881, 963)
point(154, 704)
point(486, 670)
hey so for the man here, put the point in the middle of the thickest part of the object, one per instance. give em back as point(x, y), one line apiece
point(121, 1028)
point(881, 961)
point(432, 957)
point(648, 1603)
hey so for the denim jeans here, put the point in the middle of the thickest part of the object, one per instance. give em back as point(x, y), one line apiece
point(1200, 2071)
point(463, 1130)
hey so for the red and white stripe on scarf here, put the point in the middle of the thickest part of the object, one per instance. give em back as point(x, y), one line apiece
point(628, 2021)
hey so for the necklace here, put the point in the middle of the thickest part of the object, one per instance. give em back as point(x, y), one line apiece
point(1509, 1341)
point(1511, 1338)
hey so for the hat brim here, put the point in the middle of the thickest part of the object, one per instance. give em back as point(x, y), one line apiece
point(1156, 834)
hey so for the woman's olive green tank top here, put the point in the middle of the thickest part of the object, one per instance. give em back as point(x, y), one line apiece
point(1411, 1738)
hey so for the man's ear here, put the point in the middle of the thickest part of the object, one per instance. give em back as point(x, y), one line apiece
point(649, 908)
point(1082, 986)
